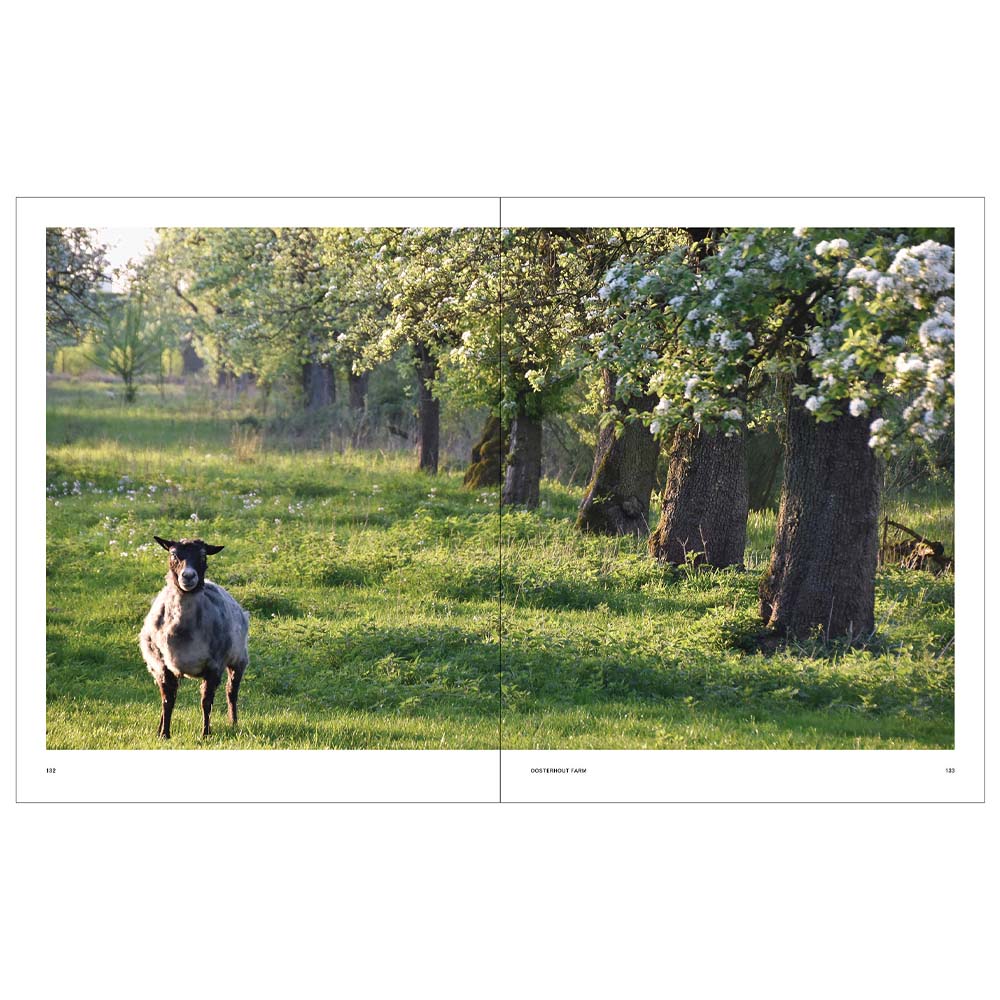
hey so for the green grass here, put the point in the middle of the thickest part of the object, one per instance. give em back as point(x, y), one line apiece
point(373, 590)
point(603, 649)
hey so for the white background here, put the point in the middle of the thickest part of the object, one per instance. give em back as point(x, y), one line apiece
point(529, 900)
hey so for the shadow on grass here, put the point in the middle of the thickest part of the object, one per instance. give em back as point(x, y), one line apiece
point(446, 676)
point(585, 595)
point(137, 429)
point(264, 724)
point(575, 674)
point(681, 725)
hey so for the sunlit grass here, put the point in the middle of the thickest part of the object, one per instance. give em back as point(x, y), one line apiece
point(371, 588)
point(603, 649)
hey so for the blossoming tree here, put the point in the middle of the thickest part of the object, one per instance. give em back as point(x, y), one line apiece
point(628, 348)
point(542, 320)
point(857, 326)
point(441, 289)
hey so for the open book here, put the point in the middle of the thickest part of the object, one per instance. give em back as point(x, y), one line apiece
point(499, 500)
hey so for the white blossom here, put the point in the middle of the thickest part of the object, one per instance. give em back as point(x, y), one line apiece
point(906, 363)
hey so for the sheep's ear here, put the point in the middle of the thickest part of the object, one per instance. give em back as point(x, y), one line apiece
point(162, 541)
point(210, 550)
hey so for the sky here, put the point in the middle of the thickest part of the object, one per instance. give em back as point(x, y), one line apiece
point(125, 245)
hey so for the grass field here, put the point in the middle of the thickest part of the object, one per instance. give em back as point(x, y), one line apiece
point(604, 650)
point(373, 594)
point(371, 588)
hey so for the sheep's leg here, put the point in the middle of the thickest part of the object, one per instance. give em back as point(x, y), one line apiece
point(233, 690)
point(168, 694)
point(208, 686)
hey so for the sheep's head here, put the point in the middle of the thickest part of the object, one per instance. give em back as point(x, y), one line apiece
point(189, 561)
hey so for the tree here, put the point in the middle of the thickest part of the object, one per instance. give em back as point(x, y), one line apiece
point(128, 347)
point(486, 467)
point(441, 285)
point(259, 303)
point(845, 320)
point(541, 325)
point(76, 267)
point(704, 506)
point(623, 476)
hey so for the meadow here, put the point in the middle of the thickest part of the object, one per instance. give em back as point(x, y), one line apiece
point(375, 602)
point(604, 649)
point(371, 589)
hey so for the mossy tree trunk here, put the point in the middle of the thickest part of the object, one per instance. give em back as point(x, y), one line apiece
point(486, 468)
point(705, 503)
point(523, 474)
point(623, 477)
point(822, 570)
point(429, 411)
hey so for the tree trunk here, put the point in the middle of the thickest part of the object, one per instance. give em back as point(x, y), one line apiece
point(822, 570)
point(429, 413)
point(704, 502)
point(486, 468)
point(357, 386)
point(624, 473)
point(524, 462)
point(192, 362)
point(318, 384)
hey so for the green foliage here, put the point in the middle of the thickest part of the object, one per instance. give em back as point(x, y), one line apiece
point(171, 363)
point(76, 360)
point(76, 267)
point(127, 345)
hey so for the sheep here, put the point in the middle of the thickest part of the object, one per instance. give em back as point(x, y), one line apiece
point(194, 628)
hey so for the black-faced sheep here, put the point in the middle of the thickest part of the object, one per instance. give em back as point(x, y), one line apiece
point(194, 628)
